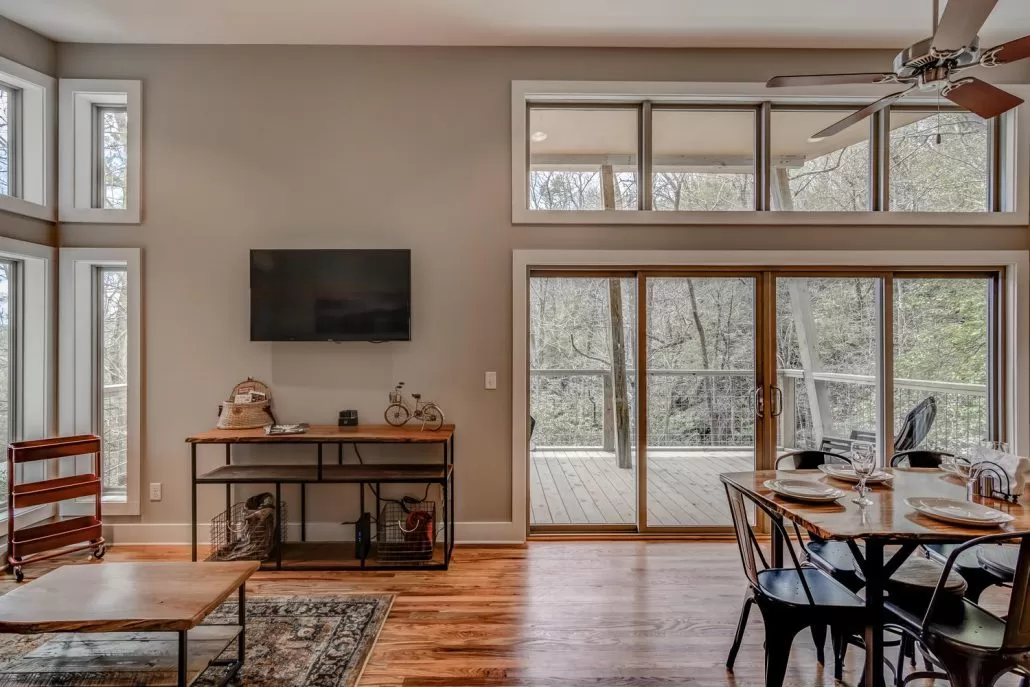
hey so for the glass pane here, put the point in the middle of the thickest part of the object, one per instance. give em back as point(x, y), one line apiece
point(941, 342)
point(703, 160)
point(6, 110)
point(583, 159)
point(701, 373)
point(582, 406)
point(115, 156)
point(7, 367)
point(114, 369)
point(939, 162)
point(827, 351)
point(831, 175)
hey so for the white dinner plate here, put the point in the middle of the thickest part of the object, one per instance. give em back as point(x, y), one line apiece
point(803, 490)
point(848, 474)
point(958, 512)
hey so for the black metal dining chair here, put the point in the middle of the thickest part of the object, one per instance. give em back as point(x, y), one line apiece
point(919, 458)
point(789, 599)
point(808, 459)
point(972, 646)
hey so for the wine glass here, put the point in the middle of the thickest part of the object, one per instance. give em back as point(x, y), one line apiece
point(863, 460)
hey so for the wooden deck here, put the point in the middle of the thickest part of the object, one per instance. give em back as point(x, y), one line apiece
point(588, 487)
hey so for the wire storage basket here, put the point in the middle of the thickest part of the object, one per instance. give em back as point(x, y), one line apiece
point(406, 532)
point(246, 531)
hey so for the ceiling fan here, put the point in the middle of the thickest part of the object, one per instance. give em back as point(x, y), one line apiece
point(930, 64)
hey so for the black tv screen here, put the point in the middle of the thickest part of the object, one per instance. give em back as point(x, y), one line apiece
point(330, 295)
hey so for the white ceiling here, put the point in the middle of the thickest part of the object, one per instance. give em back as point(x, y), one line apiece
point(605, 23)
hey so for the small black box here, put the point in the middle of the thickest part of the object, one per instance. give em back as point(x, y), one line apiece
point(363, 536)
point(348, 418)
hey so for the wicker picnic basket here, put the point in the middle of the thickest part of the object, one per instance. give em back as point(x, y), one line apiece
point(232, 415)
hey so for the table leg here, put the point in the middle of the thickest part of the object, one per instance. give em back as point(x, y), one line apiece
point(182, 679)
point(303, 511)
point(874, 612)
point(278, 527)
point(241, 640)
point(193, 501)
point(777, 545)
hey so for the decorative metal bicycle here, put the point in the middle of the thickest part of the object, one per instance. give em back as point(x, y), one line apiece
point(399, 412)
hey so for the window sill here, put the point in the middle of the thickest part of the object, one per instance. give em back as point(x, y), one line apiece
point(19, 206)
point(110, 504)
point(752, 218)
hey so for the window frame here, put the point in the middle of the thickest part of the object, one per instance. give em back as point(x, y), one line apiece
point(80, 100)
point(79, 392)
point(1010, 158)
point(33, 140)
point(32, 342)
point(13, 129)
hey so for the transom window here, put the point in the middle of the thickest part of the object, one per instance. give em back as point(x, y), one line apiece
point(758, 156)
point(7, 138)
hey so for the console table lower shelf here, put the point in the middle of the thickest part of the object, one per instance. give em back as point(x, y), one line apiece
point(336, 555)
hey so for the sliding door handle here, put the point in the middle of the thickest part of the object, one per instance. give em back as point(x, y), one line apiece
point(777, 401)
point(758, 401)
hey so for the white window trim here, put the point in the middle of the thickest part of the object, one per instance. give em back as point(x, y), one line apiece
point(34, 329)
point(78, 96)
point(35, 142)
point(76, 360)
point(1015, 347)
point(1016, 155)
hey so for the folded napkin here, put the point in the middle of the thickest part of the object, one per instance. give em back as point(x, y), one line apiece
point(1016, 467)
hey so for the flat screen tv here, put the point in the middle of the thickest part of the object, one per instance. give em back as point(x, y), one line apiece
point(330, 295)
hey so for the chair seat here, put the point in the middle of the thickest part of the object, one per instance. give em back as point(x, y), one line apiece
point(835, 558)
point(919, 574)
point(784, 585)
point(964, 624)
point(1000, 560)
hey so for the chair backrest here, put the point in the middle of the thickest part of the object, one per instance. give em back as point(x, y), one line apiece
point(919, 458)
point(1017, 623)
point(917, 425)
point(835, 445)
point(751, 554)
point(809, 459)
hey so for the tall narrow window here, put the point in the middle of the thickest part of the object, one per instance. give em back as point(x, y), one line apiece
point(113, 375)
point(7, 124)
point(111, 157)
point(939, 161)
point(583, 158)
point(8, 364)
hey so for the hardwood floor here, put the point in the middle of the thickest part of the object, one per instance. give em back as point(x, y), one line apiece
point(556, 614)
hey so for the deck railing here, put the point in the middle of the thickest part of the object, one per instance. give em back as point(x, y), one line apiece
point(714, 408)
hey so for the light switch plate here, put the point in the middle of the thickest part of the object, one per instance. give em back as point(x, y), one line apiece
point(491, 380)
point(155, 491)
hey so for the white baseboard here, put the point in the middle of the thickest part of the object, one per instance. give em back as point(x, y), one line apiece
point(179, 533)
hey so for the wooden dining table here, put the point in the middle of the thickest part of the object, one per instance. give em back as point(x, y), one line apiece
point(889, 521)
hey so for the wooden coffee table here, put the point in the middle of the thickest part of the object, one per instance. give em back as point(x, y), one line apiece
point(129, 605)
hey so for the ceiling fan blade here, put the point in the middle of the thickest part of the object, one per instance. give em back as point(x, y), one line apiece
point(980, 97)
point(960, 23)
point(831, 79)
point(858, 116)
point(1006, 52)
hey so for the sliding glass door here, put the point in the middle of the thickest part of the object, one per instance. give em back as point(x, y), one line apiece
point(701, 395)
point(645, 385)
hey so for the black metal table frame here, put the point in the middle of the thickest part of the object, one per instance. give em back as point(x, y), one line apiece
point(876, 571)
point(446, 483)
point(232, 665)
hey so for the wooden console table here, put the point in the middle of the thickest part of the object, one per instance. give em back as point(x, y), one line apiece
point(333, 555)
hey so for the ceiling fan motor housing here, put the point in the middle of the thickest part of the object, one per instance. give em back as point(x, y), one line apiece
point(920, 58)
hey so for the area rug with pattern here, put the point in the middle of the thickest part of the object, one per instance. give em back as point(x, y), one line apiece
point(303, 641)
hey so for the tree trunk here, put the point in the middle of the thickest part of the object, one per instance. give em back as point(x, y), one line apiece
point(706, 381)
point(619, 385)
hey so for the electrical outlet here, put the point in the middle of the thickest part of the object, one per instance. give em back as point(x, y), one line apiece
point(491, 380)
point(155, 491)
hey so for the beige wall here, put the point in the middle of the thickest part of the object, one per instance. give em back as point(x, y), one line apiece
point(26, 47)
point(248, 147)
